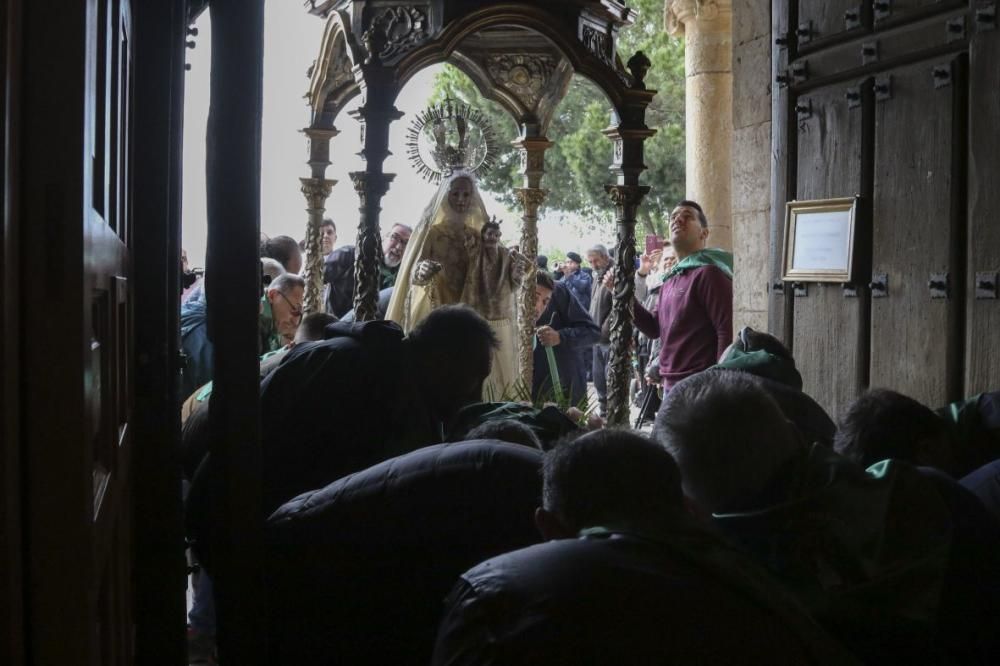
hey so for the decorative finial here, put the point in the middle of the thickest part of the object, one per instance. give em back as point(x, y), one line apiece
point(639, 65)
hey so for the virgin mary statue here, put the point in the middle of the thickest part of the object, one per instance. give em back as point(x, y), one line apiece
point(447, 262)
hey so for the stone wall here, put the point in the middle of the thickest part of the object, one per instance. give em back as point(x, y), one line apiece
point(751, 160)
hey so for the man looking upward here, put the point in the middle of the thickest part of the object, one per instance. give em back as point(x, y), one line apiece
point(694, 315)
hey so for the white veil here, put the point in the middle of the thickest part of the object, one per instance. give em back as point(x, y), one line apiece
point(410, 303)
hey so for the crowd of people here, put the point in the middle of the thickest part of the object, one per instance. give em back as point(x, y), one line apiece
point(416, 511)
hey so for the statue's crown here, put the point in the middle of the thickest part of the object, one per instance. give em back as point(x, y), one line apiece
point(448, 137)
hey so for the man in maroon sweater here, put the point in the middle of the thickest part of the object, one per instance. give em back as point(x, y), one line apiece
point(694, 316)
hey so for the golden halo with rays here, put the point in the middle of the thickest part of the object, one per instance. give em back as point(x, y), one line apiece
point(450, 136)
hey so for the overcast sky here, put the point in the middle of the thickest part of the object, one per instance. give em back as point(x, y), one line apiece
point(292, 39)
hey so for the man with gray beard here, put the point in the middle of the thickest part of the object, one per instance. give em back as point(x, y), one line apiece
point(338, 272)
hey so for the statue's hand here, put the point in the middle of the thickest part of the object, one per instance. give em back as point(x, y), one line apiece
point(425, 272)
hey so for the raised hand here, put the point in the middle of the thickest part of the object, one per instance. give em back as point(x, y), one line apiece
point(648, 262)
point(425, 272)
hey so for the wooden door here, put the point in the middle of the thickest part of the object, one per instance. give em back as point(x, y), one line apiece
point(982, 352)
point(917, 223)
point(894, 100)
point(76, 366)
point(830, 320)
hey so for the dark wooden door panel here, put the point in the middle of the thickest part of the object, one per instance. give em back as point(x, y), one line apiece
point(887, 13)
point(983, 322)
point(828, 338)
point(782, 146)
point(822, 21)
point(914, 223)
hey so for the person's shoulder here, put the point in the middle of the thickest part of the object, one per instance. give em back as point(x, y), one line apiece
point(341, 254)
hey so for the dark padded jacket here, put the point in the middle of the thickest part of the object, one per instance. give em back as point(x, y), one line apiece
point(620, 598)
point(357, 571)
point(577, 332)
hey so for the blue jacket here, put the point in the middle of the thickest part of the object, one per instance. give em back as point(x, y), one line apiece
point(580, 283)
point(577, 330)
point(195, 345)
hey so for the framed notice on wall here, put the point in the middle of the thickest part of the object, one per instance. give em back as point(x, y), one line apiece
point(819, 240)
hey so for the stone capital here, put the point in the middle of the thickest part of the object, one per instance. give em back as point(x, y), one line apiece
point(316, 192)
point(531, 199)
point(683, 15)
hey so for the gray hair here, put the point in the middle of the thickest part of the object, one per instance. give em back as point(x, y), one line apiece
point(599, 249)
point(286, 282)
point(271, 267)
point(728, 436)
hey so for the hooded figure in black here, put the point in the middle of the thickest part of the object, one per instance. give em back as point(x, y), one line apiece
point(367, 394)
point(358, 570)
point(361, 396)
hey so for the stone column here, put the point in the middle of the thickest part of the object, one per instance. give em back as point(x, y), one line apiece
point(532, 196)
point(708, 65)
point(316, 190)
point(627, 194)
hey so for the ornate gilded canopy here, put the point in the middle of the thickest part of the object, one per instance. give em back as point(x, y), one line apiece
point(522, 55)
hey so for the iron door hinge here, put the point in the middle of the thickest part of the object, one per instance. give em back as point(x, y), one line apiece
point(853, 96)
point(941, 75)
point(800, 71)
point(883, 88)
point(986, 16)
point(955, 29)
point(852, 18)
point(801, 289)
point(869, 53)
point(882, 9)
point(939, 285)
point(879, 285)
point(804, 32)
point(778, 288)
point(986, 286)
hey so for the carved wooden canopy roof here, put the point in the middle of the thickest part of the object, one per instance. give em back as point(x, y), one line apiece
point(519, 54)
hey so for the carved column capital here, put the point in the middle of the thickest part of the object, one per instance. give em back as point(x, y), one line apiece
point(371, 187)
point(316, 192)
point(680, 15)
point(531, 199)
point(626, 199)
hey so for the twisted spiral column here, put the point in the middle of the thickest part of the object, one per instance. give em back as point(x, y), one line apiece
point(371, 187)
point(531, 199)
point(532, 147)
point(626, 199)
point(316, 192)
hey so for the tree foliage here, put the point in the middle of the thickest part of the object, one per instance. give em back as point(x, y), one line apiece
point(577, 165)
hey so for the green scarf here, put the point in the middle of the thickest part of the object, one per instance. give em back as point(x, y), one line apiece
point(711, 256)
point(762, 364)
point(269, 338)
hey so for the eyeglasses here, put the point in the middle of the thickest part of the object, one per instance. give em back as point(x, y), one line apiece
point(296, 310)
